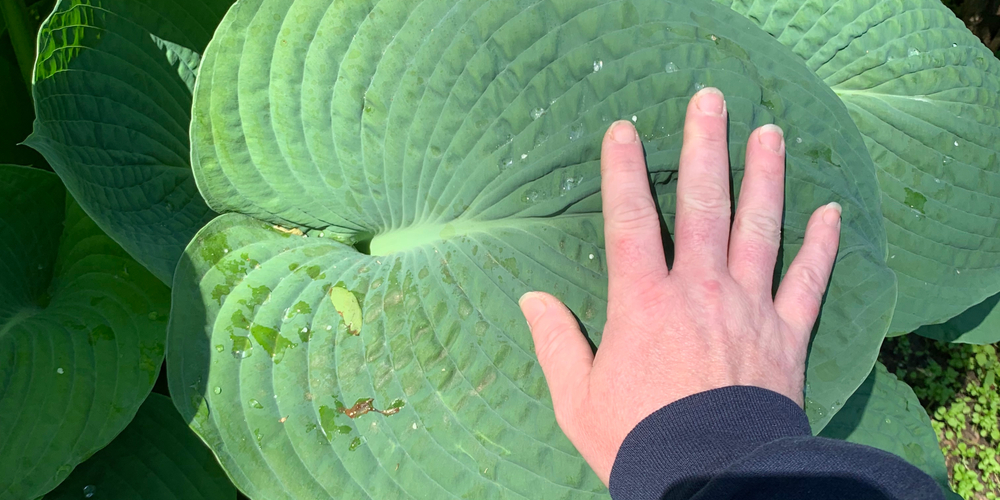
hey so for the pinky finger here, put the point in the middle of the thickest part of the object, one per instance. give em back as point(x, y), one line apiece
point(801, 291)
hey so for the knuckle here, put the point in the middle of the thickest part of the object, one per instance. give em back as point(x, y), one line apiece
point(708, 294)
point(759, 226)
point(707, 198)
point(548, 345)
point(812, 279)
point(634, 212)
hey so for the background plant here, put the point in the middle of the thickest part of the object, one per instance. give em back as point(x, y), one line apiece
point(331, 278)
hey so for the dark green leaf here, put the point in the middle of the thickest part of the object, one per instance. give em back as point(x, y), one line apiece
point(156, 457)
point(980, 324)
point(112, 97)
point(81, 334)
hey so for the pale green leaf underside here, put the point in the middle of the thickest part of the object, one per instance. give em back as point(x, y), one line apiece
point(81, 338)
point(980, 324)
point(465, 138)
point(886, 414)
point(156, 457)
point(925, 94)
point(112, 103)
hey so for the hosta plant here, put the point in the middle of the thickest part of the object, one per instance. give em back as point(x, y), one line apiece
point(393, 175)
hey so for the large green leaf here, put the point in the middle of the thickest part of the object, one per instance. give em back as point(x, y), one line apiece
point(156, 457)
point(886, 414)
point(980, 324)
point(113, 99)
point(925, 93)
point(81, 334)
point(457, 143)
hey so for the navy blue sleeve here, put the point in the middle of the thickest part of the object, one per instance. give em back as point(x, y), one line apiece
point(749, 443)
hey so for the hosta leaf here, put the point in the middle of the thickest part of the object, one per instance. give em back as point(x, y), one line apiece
point(113, 99)
point(457, 143)
point(886, 414)
point(925, 94)
point(81, 339)
point(156, 457)
point(980, 324)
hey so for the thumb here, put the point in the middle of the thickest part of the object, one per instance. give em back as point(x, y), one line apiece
point(562, 350)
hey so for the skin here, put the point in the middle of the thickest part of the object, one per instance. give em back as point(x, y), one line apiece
point(708, 322)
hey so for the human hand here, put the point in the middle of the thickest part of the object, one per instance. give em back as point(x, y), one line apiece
point(709, 322)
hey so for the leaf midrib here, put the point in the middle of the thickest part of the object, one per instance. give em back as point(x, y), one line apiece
point(418, 235)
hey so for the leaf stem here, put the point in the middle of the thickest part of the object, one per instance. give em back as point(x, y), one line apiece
point(21, 28)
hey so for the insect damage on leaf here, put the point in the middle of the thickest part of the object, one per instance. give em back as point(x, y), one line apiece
point(365, 405)
point(295, 231)
point(347, 307)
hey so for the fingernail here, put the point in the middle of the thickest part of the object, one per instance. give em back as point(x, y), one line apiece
point(771, 137)
point(832, 215)
point(711, 101)
point(623, 132)
point(532, 306)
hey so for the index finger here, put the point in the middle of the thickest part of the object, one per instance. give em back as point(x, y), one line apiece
point(631, 221)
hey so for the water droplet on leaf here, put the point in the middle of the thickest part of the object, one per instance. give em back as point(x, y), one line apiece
point(255, 404)
point(218, 390)
point(670, 68)
point(699, 86)
point(576, 131)
point(569, 183)
point(598, 65)
point(220, 347)
point(634, 118)
point(912, 52)
point(88, 491)
point(537, 113)
point(60, 371)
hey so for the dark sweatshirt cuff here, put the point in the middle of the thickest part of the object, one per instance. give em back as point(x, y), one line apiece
point(687, 441)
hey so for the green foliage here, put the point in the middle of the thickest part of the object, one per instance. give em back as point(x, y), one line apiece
point(980, 324)
point(885, 413)
point(82, 327)
point(156, 457)
point(470, 171)
point(394, 176)
point(918, 84)
point(957, 383)
point(112, 99)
